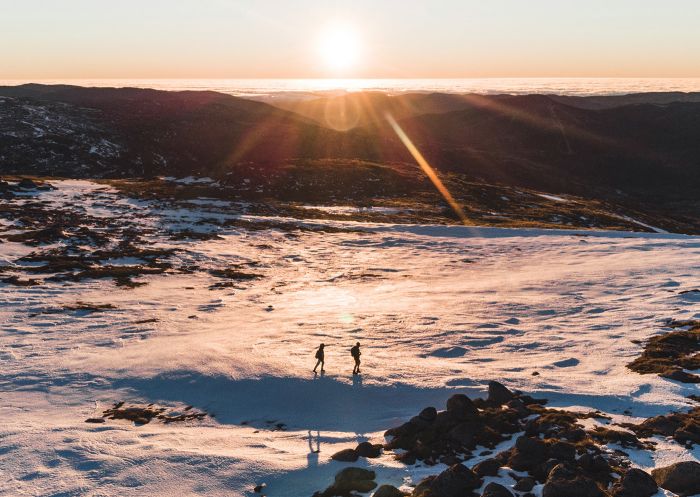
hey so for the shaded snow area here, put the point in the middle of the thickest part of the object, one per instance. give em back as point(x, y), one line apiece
point(439, 310)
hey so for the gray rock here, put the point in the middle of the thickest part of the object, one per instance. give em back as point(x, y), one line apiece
point(635, 483)
point(388, 491)
point(565, 482)
point(345, 455)
point(487, 467)
point(456, 481)
point(460, 407)
point(366, 449)
point(499, 394)
point(682, 478)
point(496, 490)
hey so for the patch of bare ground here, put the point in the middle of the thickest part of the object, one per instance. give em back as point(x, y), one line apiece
point(88, 307)
point(670, 354)
point(141, 415)
point(17, 281)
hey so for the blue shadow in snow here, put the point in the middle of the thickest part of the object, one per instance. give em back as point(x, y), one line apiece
point(322, 403)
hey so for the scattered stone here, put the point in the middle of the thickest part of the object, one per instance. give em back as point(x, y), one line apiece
point(95, 420)
point(682, 478)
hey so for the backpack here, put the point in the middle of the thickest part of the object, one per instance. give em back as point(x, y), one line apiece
point(319, 353)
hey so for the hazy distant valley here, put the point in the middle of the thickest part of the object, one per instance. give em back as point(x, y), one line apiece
point(628, 162)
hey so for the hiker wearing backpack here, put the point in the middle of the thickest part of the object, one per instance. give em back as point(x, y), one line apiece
point(320, 356)
point(355, 353)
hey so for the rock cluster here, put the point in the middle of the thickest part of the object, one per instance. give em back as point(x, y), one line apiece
point(553, 451)
point(449, 436)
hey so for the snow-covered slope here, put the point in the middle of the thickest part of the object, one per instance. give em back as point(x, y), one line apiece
point(437, 309)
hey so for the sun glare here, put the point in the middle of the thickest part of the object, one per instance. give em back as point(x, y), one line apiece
point(339, 47)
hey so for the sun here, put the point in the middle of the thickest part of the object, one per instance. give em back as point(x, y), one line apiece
point(339, 46)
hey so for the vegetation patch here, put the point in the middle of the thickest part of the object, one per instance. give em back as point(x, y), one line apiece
point(141, 415)
point(88, 307)
point(684, 428)
point(17, 281)
point(670, 354)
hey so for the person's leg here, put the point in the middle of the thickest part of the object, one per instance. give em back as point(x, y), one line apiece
point(317, 363)
point(323, 364)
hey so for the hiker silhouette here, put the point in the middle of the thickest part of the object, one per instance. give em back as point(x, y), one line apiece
point(355, 353)
point(320, 356)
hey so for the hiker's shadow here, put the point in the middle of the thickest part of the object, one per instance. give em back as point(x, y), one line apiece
point(314, 449)
point(357, 381)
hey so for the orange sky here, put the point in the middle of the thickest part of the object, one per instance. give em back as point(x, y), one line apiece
point(391, 38)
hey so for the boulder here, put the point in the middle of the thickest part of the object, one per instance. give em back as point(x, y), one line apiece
point(353, 474)
point(565, 482)
point(594, 463)
point(346, 455)
point(460, 407)
point(27, 184)
point(635, 483)
point(525, 484)
point(499, 394)
point(562, 451)
point(682, 478)
point(465, 433)
point(388, 491)
point(528, 453)
point(428, 414)
point(366, 449)
point(496, 490)
point(350, 480)
point(487, 467)
point(519, 407)
point(456, 481)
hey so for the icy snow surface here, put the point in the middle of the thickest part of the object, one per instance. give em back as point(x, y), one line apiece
point(438, 310)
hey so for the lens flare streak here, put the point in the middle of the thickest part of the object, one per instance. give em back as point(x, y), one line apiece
point(427, 169)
